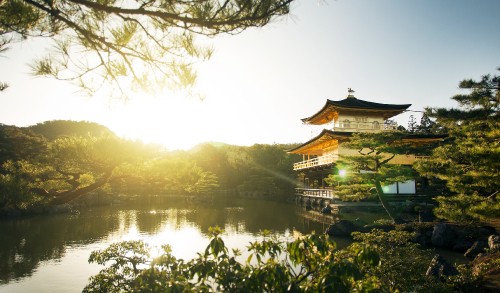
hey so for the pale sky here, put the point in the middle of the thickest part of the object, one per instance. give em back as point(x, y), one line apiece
point(259, 84)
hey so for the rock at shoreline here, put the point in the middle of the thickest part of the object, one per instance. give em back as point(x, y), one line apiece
point(440, 268)
point(494, 243)
point(442, 235)
point(476, 248)
point(491, 278)
point(341, 228)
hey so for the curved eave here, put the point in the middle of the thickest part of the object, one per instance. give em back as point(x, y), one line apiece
point(321, 117)
point(352, 105)
point(316, 145)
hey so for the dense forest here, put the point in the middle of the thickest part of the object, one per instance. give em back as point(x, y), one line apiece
point(57, 162)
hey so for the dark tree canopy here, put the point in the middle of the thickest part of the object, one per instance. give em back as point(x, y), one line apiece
point(57, 128)
point(138, 43)
point(469, 161)
point(20, 144)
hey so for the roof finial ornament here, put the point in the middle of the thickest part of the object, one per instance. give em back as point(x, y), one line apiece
point(351, 93)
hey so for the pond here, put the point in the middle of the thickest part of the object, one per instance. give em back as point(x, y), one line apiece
point(50, 253)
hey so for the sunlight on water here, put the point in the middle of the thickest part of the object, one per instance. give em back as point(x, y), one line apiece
point(50, 253)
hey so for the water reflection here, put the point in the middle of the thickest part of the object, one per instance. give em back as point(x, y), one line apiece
point(28, 244)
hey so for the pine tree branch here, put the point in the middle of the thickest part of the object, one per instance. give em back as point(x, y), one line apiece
point(387, 160)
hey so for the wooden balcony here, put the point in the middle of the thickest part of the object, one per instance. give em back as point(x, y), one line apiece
point(315, 162)
point(353, 126)
point(330, 159)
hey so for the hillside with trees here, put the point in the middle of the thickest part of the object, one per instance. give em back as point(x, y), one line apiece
point(54, 129)
point(57, 162)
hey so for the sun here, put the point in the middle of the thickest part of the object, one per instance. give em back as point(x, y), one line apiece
point(176, 122)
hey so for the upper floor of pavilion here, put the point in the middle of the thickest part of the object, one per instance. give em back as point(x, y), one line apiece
point(355, 115)
point(341, 120)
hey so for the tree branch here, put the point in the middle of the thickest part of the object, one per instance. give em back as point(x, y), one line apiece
point(387, 160)
point(67, 196)
point(218, 25)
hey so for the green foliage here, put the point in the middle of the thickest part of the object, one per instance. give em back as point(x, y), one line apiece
point(57, 128)
point(308, 264)
point(15, 185)
point(20, 143)
point(412, 124)
point(376, 262)
point(38, 171)
point(403, 264)
point(176, 174)
point(467, 208)
point(80, 157)
point(258, 168)
point(353, 191)
point(372, 163)
point(132, 44)
point(371, 167)
point(426, 126)
point(467, 280)
point(264, 186)
point(469, 160)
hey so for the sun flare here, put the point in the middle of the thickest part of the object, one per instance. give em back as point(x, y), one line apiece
point(175, 122)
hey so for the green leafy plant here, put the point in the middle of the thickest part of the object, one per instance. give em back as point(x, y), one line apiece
point(308, 264)
point(403, 264)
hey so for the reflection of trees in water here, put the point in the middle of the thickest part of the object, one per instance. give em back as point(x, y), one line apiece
point(251, 216)
point(28, 241)
point(242, 215)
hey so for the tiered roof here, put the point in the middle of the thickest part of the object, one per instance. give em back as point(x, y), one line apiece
point(316, 145)
point(329, 138)
point(352, 105)
point(356, 107)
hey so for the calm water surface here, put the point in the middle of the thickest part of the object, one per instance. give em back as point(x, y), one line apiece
point(50, 253)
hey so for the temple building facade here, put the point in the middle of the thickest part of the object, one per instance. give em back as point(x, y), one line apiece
point(340, 120)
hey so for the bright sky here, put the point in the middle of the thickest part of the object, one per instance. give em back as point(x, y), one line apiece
point(259, 84)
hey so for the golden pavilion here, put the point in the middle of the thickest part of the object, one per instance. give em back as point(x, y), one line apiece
point(341, 119)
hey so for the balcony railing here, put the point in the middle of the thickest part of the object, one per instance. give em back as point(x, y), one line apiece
point(370, 126)
point(319, 192)
point(318, 161)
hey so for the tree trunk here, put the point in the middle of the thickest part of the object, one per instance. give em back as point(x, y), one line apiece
point(66, 197)
point(385, 203)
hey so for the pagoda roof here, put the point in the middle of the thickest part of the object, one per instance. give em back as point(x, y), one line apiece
point(351, 104)
point(329, 138)
point(316, 145)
